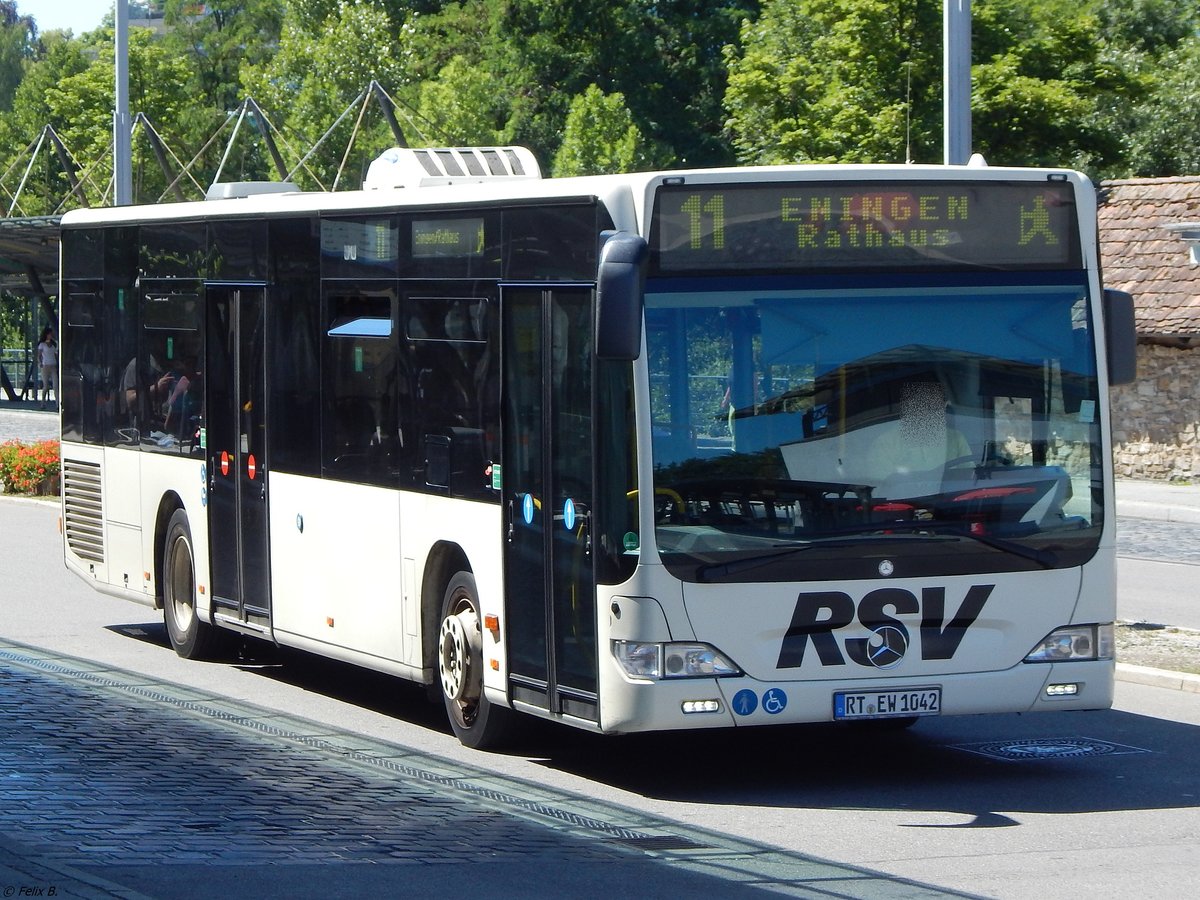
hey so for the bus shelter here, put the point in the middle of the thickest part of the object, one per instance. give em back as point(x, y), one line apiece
point(28, 291)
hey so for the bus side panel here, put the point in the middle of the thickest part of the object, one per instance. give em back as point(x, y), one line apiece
point(335, 565)
point(427, 520)
point(85, 535)
point(183, 480)
point(127, 567)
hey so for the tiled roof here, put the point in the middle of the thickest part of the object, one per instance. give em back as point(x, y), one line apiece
point(1142, 256)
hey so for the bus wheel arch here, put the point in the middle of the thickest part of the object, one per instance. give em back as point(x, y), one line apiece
point(167, 507)
point(476, 721)
point(444, 561)
point(191, 637)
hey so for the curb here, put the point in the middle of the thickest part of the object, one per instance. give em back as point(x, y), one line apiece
point(1142, 509)
point(1179, 681)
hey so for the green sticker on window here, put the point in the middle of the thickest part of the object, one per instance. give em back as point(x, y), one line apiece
point(358, 359)
point(497, 480)
point(170, 348)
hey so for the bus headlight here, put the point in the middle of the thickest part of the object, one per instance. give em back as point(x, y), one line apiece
point(672, 660)
point(1074, 642)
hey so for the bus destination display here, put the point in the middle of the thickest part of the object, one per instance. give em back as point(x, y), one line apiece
point(895, 226)
point(447, 238)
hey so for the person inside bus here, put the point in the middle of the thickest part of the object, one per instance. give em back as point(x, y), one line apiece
point(921, 444)
point(183, 401)
point(159, 385)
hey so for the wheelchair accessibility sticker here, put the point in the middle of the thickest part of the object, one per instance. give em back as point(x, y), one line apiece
point(774, 701)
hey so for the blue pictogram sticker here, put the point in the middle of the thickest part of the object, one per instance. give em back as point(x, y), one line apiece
point(774, 701)
point(745, 702)
point(569, 514)
point(203, 485)
point(527, 509)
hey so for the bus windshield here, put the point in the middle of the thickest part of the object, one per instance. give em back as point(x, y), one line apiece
point(931, 425)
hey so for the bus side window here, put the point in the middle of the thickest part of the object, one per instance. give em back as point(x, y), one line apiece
point(363, 441)
point(453, 390)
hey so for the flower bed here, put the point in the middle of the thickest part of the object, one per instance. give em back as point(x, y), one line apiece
point(29, 468)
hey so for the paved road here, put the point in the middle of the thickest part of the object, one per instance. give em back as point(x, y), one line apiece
point(263, 775)
point(1158, 572)
point(116, 784)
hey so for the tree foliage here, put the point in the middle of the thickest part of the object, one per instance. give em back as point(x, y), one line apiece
point(600, 136)
point(1109, 86)
point(836, 81)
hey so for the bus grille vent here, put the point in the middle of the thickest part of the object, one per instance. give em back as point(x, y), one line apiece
point(84, 511)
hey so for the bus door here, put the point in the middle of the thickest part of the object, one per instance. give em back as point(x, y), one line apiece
point(546, 477)
point(235, 454)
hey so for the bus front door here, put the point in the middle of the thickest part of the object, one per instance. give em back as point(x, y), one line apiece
point(236, 457)
point(549, 579)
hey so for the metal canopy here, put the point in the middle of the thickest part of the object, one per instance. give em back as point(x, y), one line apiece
point(29, 255)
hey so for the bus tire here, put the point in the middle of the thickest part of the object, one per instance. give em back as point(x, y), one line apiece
point(476, 722)
point(191, 638)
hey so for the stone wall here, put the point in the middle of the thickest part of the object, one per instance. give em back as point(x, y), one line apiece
point(1156, 420)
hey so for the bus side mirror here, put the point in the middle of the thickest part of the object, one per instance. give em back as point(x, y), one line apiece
point(1121, 331)
point(619, 284)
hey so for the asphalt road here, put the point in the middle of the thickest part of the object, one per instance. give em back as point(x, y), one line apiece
point(1158, 572)
point(1071, 805)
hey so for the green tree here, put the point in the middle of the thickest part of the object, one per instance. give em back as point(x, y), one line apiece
point(62, 58)
point(79, 104)
point(1041, 82)
point(600, 136)
point(328, 53)
point(217, 44)
point(1164, 131)
point(836, 80)
point(462, 107)
point(18, 40)
point(537, 55)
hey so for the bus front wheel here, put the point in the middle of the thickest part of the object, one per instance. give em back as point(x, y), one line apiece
point(191, 638)
point(476, 721)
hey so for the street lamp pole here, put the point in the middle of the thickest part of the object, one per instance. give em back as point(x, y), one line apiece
point(122, 149)
point(956, 75)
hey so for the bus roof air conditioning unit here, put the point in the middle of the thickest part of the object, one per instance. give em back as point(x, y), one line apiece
point(425, 167)
point(239, 190)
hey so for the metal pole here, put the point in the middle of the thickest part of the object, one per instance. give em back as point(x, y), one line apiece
point(122, 140)
point(956, 94)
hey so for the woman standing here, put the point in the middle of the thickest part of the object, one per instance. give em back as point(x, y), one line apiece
point(47, 351)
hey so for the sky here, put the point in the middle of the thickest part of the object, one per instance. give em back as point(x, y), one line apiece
point(78, 15)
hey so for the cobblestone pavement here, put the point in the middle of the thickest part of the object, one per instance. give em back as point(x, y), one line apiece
point(1177, 542)
point(115, 784)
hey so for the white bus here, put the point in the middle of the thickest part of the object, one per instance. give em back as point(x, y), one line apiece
point(680, 450)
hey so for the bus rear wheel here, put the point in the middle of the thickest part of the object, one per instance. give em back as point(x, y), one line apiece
point(477, 722)
point(191, 638)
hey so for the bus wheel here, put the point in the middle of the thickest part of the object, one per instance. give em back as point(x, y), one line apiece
point(477, 723)
point(191, 638)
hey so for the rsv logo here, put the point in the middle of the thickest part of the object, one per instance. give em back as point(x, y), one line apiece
point(819, 614)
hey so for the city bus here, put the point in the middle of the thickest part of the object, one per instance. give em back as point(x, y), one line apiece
point(676, 450)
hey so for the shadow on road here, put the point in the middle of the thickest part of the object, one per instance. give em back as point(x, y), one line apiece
point(980, 766)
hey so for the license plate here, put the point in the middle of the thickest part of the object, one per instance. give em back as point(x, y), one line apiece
point(887, 704)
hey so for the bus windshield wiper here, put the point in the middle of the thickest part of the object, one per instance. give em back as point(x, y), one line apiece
point(1047, 559)
point(710, 571)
